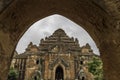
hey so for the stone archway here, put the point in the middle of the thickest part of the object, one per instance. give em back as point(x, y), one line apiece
point(59, 74)
point(99, 19)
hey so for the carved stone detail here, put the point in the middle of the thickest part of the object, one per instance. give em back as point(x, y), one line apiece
point(56, 61)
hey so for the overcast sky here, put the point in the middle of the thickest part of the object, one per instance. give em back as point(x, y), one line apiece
point(45, 27)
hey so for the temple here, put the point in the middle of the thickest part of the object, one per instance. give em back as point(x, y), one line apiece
point(58, 57)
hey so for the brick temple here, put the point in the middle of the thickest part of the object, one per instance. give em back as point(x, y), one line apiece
point(58, 57)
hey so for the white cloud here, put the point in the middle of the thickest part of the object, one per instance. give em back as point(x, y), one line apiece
point(48, 25)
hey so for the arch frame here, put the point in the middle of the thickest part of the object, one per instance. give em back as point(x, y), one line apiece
point(54, 70)
point(15, 20)
point(59, 67)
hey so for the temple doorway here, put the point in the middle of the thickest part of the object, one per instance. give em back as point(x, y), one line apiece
point(59, 73)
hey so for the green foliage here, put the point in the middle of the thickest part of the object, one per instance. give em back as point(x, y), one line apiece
point(13, 74)
point(95, 67)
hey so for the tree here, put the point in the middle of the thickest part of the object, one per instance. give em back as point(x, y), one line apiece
point(95, 67)
point(13, 74)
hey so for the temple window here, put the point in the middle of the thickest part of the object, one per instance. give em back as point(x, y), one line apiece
point(37, 61)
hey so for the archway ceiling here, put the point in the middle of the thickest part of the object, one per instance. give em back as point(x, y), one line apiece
point(110, 6)
point(22, 13)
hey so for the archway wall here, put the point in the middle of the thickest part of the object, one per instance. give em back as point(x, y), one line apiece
point(17, 18)
point(83, 12)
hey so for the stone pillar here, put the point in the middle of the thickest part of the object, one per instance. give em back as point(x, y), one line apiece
point(20, 72)
point(46, 69)
point(110, 54)
point(23, 68)
point(4, 67)
point(68, 74)
point(5, 56)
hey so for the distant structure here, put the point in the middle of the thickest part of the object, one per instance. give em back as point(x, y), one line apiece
point(58, 57)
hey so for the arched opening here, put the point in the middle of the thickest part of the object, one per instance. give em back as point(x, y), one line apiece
point(45, 27)
point(83, 78)
point(59, 74)
point(35, 77)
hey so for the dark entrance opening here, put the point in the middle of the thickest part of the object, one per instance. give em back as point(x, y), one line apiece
point(59, 73)
point(83, 78)
point(35, 78)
